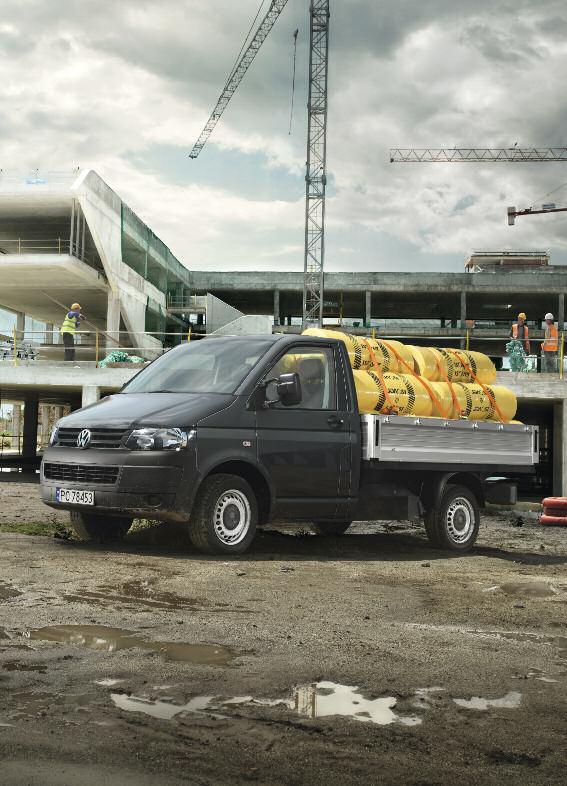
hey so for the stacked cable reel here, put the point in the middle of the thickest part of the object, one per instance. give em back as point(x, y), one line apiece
point(401, 379)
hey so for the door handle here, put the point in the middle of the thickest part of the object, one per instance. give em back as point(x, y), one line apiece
point(335, 421)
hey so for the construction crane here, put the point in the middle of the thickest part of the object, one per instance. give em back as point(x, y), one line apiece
point(476, 154)
point(316, 165)
point(529, 211)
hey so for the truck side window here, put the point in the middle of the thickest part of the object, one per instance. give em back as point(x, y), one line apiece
point(316, 372)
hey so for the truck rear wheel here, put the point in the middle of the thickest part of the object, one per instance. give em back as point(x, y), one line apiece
point(94, 526)
point(224, 516)
point(330, 528)
point(453, 523)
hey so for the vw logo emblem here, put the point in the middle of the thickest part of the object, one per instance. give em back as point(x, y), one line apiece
point(84, 439)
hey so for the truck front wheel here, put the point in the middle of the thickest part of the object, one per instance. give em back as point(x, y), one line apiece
point(224, 516)
point(93, 526)
point(453, 523)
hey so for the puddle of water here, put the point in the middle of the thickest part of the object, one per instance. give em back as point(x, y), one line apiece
point(534, 589)
point(318, 700)
point(14, 665)
point(511, 701)
point(164, 710)
point(106, 639)
point(108, 683)
point(138, 592)
point(7, 591)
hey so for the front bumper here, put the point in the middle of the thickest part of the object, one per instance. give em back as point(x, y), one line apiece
point(158, 485)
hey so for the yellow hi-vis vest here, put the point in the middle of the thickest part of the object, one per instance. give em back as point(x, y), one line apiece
point(69, 325)
point(551, 339)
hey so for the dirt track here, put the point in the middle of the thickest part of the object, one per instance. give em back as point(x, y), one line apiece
point(381, 612)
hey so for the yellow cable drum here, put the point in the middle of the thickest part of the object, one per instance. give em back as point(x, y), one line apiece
point(406, 393)
point(427, 394)
point(359, 354)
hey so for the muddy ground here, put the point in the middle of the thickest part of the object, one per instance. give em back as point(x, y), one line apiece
point(457, 666)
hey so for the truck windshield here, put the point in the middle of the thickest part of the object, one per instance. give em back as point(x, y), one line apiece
point(207, 366)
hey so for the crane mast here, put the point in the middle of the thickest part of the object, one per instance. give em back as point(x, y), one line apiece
point(316, 167)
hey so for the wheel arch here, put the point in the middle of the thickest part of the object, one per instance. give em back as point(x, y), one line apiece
point(435, 487)
point(253, 475)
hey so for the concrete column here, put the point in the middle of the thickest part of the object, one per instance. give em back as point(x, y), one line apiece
point(16, 426)
point(45, 428)
point(368, 308)
point(561, 311)
point(90, 395)
point(112, 321)
point(276, 306)
point(20, 325)
point(463, 310)
point(49, 333)
point(560, 448)
point(29, 441)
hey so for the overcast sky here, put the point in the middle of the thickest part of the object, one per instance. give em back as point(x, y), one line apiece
point(126, 87)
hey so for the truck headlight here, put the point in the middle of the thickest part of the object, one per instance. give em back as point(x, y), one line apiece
point(54, 435)
point(159, 439)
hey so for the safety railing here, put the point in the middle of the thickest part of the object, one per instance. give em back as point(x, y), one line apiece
point(29, 345)
point(54, 245)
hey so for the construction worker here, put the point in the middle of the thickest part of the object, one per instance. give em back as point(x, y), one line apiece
point(519, 346)
point(549, 346)
point(68, 329)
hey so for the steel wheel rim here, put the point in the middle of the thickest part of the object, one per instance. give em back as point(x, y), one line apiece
point(460, 520)
point(232, 517)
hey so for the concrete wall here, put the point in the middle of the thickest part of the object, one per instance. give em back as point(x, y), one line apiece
point(251, 324)
point(102, 209)
point(219, 313)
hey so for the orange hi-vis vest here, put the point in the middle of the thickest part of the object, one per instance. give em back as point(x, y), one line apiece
point(551, 342)
point(516, 330)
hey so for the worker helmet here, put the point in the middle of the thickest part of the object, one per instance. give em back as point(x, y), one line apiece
point(550, 316)
point(76, 307)
point(521, 315)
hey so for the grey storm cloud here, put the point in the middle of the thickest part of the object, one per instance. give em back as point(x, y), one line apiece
point(109, 83)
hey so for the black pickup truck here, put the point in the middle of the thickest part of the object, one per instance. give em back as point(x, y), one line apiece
point(226, 434)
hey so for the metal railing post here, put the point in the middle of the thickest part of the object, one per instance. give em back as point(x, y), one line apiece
point(19, 245)
point(96, 346)
point(15, 339)
point(561, 355)
point(468, 342)
point(59, 245)
point(189, 334)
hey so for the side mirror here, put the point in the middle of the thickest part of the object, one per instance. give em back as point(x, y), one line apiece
point(286, 390)
point(288, 387)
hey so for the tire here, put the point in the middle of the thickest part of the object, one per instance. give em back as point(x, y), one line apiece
point(330, 528)
point(453, 524)
point(225, 515)
point(95, 526)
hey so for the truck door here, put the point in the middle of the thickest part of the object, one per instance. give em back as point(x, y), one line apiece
point(307, 448)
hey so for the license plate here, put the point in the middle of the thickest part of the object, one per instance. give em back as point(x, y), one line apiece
point(75, 496)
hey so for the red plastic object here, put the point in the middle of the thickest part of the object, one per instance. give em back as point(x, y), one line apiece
point(557, 503)
point(555, 512)
point(558, 521)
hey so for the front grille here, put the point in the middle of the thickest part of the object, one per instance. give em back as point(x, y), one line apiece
point(80, 473)
point(100, 437)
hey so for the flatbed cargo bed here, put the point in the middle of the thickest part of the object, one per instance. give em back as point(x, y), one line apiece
point(435, 441)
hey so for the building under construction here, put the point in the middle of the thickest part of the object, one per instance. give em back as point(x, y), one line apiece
point(63, 237)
